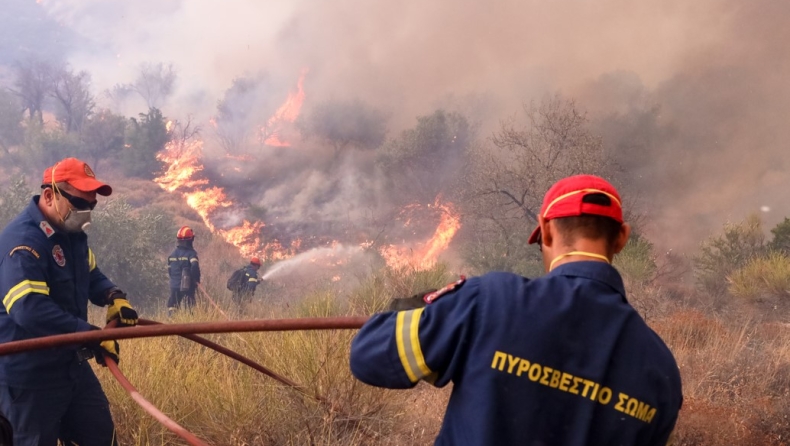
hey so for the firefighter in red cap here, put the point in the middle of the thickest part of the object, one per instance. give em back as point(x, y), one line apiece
point(244, 281)
point(558, 360)
point(47, 276)
point(183, 267)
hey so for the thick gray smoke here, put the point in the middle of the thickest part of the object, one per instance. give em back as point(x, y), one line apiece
point(691, 96)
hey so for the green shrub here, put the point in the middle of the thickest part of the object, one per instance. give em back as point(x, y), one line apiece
point(128, 245)
point(722, 254)
point(762, 277)
point(636, 261)
point(781, 240)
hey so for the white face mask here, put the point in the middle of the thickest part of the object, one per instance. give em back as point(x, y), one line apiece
point(75, 220)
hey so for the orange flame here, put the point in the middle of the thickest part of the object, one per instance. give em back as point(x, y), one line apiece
point(424, 256)
point(287, 113)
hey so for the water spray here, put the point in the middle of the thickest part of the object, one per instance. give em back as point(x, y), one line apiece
point(313, 255)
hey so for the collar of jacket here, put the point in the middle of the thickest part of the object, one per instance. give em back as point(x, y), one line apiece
point(599, 271)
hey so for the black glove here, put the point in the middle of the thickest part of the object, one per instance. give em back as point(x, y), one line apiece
point(109, 347)
point(120, 308)
point(409, 303)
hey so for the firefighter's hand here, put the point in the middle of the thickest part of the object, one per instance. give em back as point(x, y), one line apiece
point(120, 308)
point(409, 303)
point(109, 348)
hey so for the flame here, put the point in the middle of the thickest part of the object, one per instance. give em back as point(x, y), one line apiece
point(424, 255)
point(183, 161)
point(287, 113)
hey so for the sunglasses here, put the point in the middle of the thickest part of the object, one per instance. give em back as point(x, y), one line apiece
point(78, 203)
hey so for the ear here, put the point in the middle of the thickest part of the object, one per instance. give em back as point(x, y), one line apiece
point(622, 237)
point(546, 231)
point(47, 195)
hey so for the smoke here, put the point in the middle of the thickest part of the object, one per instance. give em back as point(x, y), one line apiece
point(691, 96)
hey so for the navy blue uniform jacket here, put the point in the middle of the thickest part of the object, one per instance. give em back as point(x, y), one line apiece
point(249, 281)
point(47, 278)
point(183, 258)
point(559, 360)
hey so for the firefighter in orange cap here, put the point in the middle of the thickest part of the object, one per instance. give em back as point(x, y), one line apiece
point(558, 360)
point(47, 276)
point(183, 268)
point(244, 281)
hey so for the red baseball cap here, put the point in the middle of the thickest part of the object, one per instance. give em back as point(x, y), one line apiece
point(566, 199)
point(76, 173)
point(255, 261)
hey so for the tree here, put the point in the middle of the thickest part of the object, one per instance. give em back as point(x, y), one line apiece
point(73, 98)
point(102, 137)
point(13, 198)
point(236, 113)
point(342, 124)
point(147, 136)
point(422, 161)
point(508, 177)
point(128, 245)
point(11, 114)
point(32, 83)
point(155, 83)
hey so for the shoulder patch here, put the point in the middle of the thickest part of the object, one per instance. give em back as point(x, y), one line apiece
point(24, 248)
point(431, 297)
point(57, 254)
point(46, 228)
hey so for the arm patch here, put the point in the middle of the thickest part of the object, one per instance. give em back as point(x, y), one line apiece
point(431, 297)
point(24, 248)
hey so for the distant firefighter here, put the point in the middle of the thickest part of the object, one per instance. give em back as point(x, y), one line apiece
point(244, 281)
point(558, 360)
point(183, 268)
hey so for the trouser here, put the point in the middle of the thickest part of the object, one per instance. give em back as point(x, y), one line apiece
point(177, 297)
point(78, 413)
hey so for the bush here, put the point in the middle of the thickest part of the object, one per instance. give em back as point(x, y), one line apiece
point(781, 240)
point(721, 255)
point(636, 261)
point(762, 277)
point(503, 252)
point(13, 198)
point(128, 245)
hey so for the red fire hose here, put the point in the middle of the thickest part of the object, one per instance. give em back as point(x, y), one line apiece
point(188, 331)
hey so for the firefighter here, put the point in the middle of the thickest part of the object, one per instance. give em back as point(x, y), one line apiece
point(558, 360)
point(183, 268)
point(47, 276)
point(245, 282)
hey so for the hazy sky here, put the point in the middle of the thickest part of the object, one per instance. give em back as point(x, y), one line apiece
point(714, 69)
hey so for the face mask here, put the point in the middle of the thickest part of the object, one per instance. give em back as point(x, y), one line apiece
point(75, 220)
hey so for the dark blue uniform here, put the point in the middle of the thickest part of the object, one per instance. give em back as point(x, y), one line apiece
point(183, 258)
point(249, 282)
point(559, 360)
point(47, 278)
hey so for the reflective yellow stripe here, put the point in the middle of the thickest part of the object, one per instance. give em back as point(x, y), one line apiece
point(253, 279)
point(22, 289)
point(194, 260)
point(91, 260)
point(407, 325)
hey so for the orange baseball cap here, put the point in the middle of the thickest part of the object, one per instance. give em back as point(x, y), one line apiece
point(76, 173)
point(566, 199)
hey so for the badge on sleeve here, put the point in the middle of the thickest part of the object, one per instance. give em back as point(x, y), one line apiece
point(24, 248)
point(48, 231)
point(430, 297)
point(57, 254)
